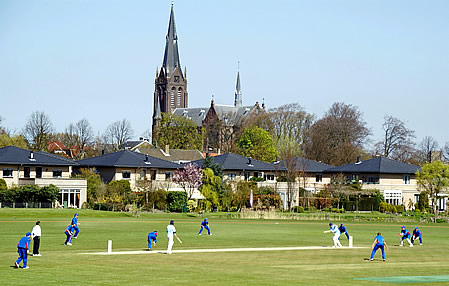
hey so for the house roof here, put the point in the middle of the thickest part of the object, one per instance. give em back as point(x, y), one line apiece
point(378, 165)
point(134, 144)
point(308, 166)
point(126, 158)
point(17, 156)
point(231, 161)
point(174, 155)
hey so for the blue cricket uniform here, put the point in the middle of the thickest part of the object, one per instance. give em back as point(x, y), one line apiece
point(405, 234)
point(69, 233)
point(379, 243)
point(75, 225)
point(417, 233)
point(22, 247)
point(342, 229)
point(204, 224)
point(152, 237)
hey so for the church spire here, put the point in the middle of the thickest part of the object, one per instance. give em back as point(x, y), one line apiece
point(238, 91)
point(171, 55)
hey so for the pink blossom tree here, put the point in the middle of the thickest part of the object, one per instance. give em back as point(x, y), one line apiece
point(190, 178)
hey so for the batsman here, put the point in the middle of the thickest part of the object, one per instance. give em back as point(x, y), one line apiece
point(171, 231)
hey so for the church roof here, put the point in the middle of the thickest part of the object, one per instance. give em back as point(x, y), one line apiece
point(171, 55)
point(229, 114)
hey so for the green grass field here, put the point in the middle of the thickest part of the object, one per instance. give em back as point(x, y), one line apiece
point(67, 265)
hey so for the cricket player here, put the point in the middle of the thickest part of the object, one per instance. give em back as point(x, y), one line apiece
point(405, 235)
point(417, 233)
point(69, 233)
point(205, 224)
point(22, 249)
point(342, 230)
point(379, 242)
point(75, 225)
point(152, 238)
point(334, 229)
point(171, 231)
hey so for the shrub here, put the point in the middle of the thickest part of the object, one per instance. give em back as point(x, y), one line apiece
point(418, 212)
point(268, 200)
point(399, 209)
point(441, 220)
point(3, 185)
point(176, 201)
point(257, 179)
point(266, 190)
point(298, 209)
point(191, 205)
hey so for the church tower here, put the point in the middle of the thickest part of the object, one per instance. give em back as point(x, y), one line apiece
point(170, 90)
point(238, 92)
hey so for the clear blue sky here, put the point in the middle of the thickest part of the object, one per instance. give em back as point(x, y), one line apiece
point(97, 58)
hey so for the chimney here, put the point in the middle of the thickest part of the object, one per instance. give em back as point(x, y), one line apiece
point(249, 162)
point(167, 149)
point(146, 157)
point(32, 155)
point(359, 160)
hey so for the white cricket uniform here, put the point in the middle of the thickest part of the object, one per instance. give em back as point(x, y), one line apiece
point(171, 230)
point(334, 229)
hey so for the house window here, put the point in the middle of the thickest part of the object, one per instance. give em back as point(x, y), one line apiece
point(231, 176)
point(247, 176)
point(406, 179)
point(268, 177)
point(143, 174)
point(126, 175)
point(373, 180)
point(38, 172)
point(57, 173)
point(256, 174)
point(355, 177)
point(416, 196)
point(319, 178)
point(393, 197)
point(168, 176)
point(26, 172)
point(153, 175)
point(7, 173)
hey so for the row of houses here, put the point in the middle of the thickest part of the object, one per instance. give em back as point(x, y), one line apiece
point(395, 180)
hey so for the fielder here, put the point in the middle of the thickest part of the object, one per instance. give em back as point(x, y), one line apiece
point(334, 229)
point(171, 231)
point(405, 235)
point(417, 234)
point(342, 230)
point(69, 233)
point(205, 224)
point(22, 249)
point(379, 242)
point(152, 238)
point(75, 225)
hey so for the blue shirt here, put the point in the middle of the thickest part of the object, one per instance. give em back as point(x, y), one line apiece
point(75, 220)
point(24, 242)
point(379, 240)
point(69, 228)
point(152, 235)
point(405, 232)
point(416, 232)
point(342, 228)
point(204, 223)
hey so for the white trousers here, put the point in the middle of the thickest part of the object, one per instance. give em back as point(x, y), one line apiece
point(170, 245)
point(336, 240)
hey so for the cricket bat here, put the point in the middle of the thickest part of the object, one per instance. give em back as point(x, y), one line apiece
point(178, 239)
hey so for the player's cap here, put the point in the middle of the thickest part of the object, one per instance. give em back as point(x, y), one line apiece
point(172, 222)
point(416, 227)
point(330, 224)
point(205, 219)
point(75, 214)
point(341, 224)
point(28, 234)
point(403, 226)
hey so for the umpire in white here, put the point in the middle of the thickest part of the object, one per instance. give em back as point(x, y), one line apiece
point(36, 235)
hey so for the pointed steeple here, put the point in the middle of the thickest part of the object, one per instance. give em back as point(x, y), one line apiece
point(171, 55)
point(238, 92)
point(157, 110)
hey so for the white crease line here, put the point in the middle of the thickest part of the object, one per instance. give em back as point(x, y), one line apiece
point(223, 250)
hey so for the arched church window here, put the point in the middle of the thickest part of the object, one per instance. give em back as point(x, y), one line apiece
point(172, 97)
point(179, 97)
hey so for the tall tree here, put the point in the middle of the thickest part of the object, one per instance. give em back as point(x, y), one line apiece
point(433, 179)
point(258, 144)
point(339, 136)
point(38, 130)
point(397, 143)
point(178, 132)
point(118, 133)
point(15, 140)
point(85, 134)
point(426, 147)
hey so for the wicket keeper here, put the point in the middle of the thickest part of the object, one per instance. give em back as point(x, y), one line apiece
point(342, 230)
point(417, 234)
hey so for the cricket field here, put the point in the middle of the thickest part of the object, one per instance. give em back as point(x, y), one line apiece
point(240, 252)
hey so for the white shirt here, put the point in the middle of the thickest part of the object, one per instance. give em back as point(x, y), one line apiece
point(36, 231)
point(170, 230)
point(335, 230)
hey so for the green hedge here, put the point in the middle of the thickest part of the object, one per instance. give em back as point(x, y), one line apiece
point(177, 201)
point(29, 194)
